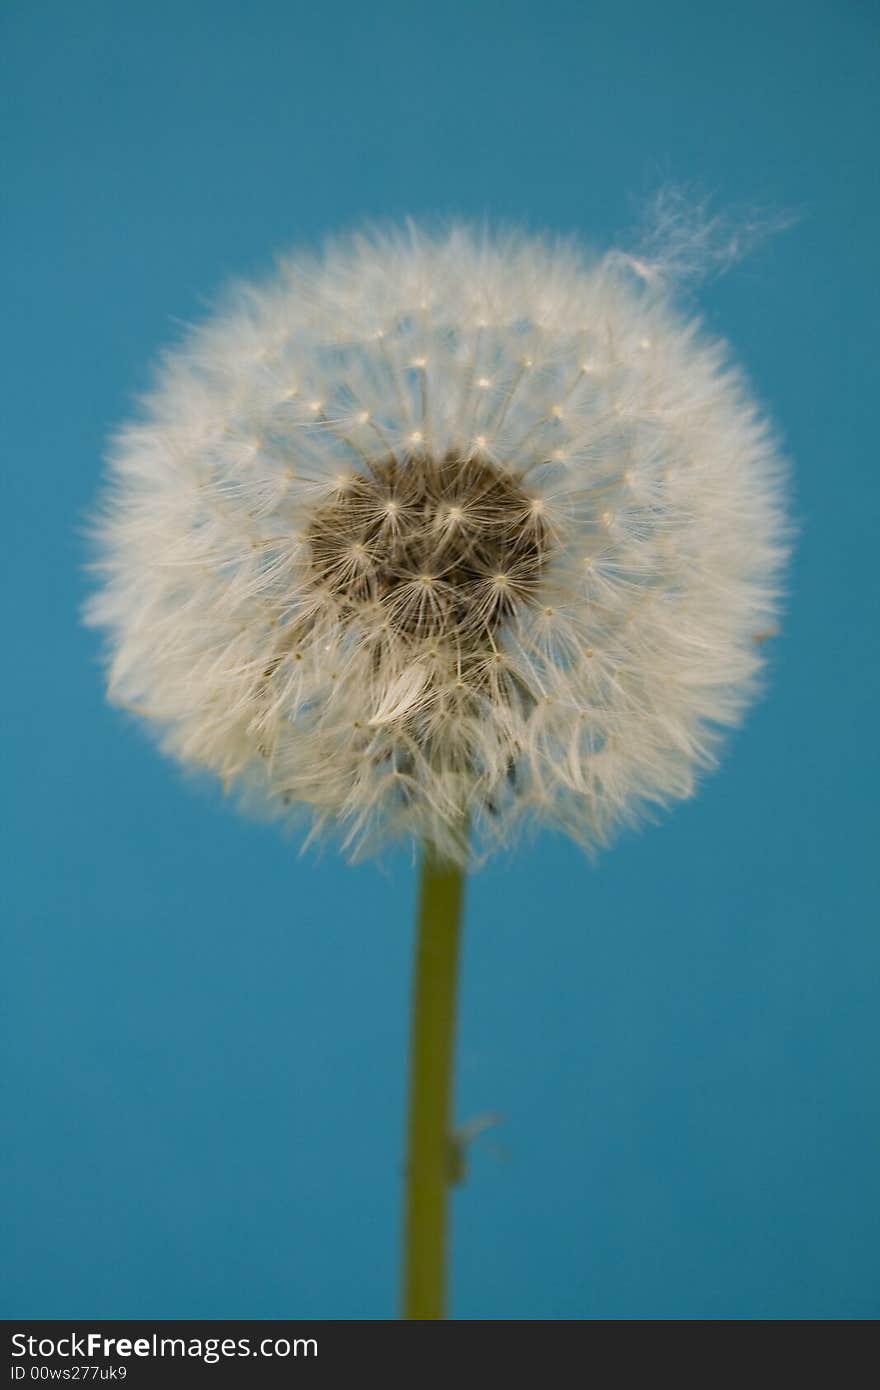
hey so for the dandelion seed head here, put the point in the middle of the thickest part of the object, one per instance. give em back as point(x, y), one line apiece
point(507, 553)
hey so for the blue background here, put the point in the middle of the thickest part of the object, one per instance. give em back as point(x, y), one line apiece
point(206, 1034)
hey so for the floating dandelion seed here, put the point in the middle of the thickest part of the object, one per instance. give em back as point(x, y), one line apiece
point(435, 536)
point(444, 528)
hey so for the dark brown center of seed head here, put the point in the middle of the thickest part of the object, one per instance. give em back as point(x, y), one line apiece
point(446, 546)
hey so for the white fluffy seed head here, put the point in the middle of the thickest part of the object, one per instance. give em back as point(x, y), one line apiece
point(441, 530)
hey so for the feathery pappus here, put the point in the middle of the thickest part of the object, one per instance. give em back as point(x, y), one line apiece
point(444, 529)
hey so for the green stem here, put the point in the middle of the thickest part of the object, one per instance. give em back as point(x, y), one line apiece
point(429, 1165)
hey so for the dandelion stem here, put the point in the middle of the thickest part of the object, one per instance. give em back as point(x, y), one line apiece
point(429, 1168)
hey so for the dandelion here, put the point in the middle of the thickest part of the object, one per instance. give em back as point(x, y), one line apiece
point(439, 536)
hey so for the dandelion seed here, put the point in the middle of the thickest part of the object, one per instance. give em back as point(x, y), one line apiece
point(401, 630)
